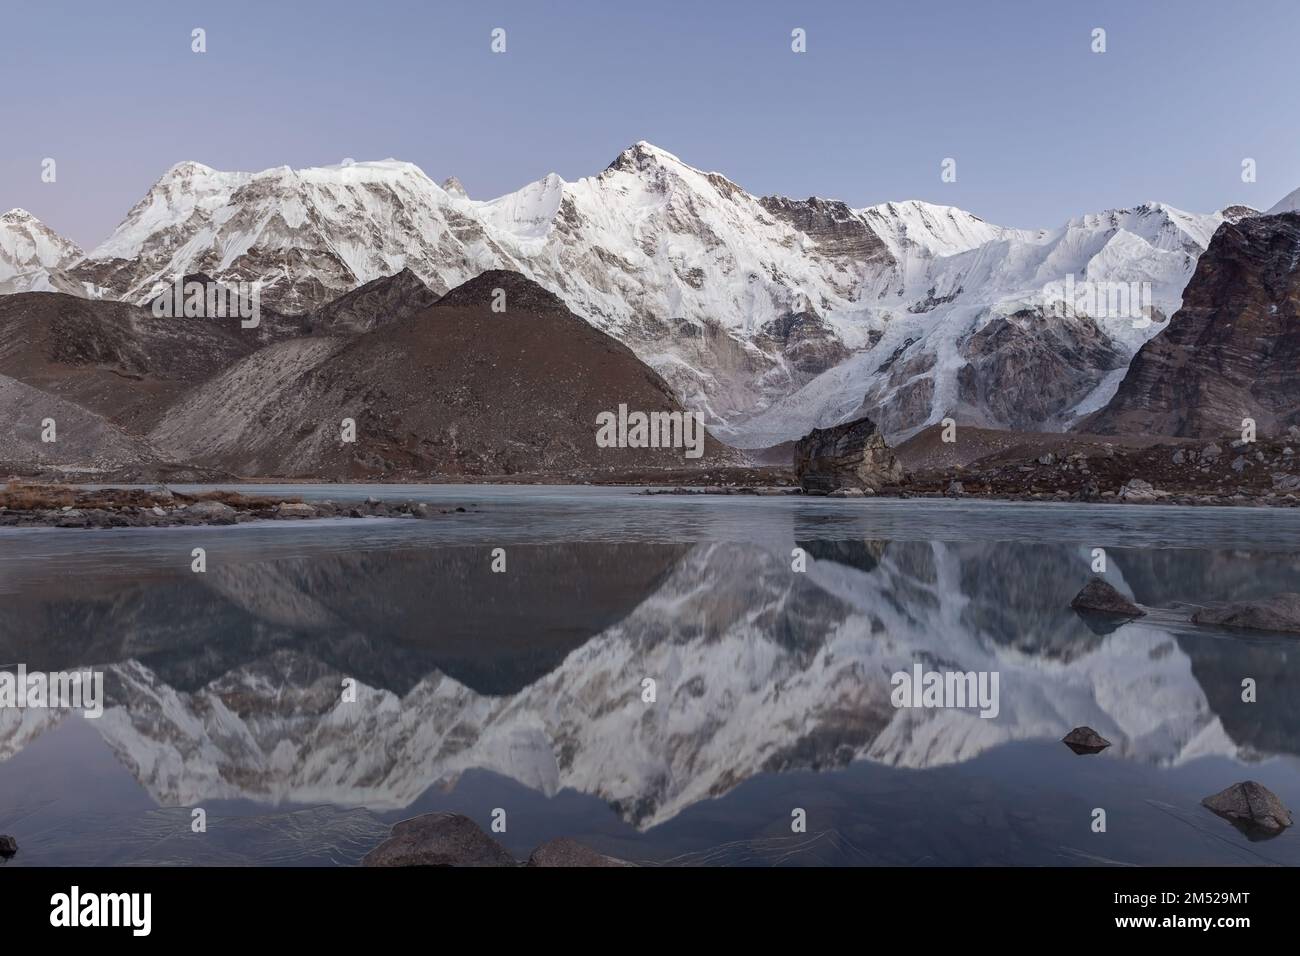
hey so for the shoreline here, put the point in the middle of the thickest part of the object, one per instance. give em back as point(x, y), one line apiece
point(64, 506)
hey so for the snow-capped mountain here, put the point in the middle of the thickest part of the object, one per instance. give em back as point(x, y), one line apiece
point(310, 234)
point(1288, 203)
point(31, 253)
point(769, 314)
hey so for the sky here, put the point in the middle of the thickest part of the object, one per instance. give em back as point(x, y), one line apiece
point(1041, 127)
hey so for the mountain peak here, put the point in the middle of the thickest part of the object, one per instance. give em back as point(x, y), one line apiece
point(18, 214)
point(1288, 203)
point(1238, 211)
point(188, 169)
point(642, 155)
point(454, 187)
point(520, 293)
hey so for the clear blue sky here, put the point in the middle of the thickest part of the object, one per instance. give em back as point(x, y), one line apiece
point(1042, 128)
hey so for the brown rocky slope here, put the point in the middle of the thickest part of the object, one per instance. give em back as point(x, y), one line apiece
point(1231, 352)
point(457, 389)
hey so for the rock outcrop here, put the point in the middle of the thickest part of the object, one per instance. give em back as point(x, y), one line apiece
point(1098, 597)
point(1278, 613)
point(438, 839)
point(1230, 352)
point(570, 853)
point(1030, 369)
point(1085, 740)
point(1252, 807)
point(852, 455)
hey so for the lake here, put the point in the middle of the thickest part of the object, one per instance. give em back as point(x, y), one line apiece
point(526, 690)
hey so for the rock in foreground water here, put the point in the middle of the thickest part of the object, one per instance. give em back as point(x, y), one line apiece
point(1085, 740)
point(566, 852)
point(438, 839)
point(8, 846)
point(1252, 807)
point(1098, 597)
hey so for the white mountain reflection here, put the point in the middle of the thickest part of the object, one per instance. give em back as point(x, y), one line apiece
point(228, 685)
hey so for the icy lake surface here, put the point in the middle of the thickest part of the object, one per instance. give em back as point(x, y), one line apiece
point(525, 690)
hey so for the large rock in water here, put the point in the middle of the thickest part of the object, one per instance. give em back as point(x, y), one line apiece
point(1098, 597)
point(570, 853)
point(1252, 807)
point(852, 455)
point(438, 839)
point(1278, 613)
point(1085, 740)
point(1232, 349)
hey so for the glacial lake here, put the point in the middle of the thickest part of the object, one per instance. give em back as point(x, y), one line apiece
point(522, 691)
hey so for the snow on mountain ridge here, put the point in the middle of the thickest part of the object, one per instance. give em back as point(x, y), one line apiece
point(701, 278)
point(1288, 203)
point(31, 253)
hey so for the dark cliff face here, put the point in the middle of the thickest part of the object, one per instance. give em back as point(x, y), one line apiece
point(1231, 352)
point(832, 224)
point(1026, 369)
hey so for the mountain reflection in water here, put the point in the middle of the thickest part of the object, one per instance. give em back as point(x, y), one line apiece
point(523, 689)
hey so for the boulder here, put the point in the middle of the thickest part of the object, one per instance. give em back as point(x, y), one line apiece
point(438, 839)
point(852, 455)
point(212, 512)
point(1252, 807)
point(1278, 613)
point(566, 852)
point(72, 518)
point(1098, 597)
point(1137, 490)
point(1285, 483)
point(1085, 740)
point(296, 509)
point(8, 846)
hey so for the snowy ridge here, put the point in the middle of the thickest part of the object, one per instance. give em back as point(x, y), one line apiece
point(770, 315)
point(30, 252)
